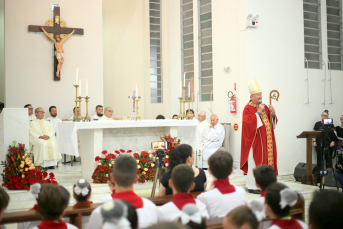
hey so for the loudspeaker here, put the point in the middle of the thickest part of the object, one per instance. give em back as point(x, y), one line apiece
point(300, 170)
point(330, 180)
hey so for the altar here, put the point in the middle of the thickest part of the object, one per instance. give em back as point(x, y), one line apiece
point(89, 139)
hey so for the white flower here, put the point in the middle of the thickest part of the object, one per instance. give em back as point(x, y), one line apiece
point(143, 173)
point(137, 161)
point(167, 164)
point(149, 151)
point(146, 169)
point(138, 166)
point(152, 165)
point(167, 156)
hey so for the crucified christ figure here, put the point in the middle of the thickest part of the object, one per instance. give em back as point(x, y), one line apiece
point(59, 53)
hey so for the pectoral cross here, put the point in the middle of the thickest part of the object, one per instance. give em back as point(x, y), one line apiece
point(57, 27)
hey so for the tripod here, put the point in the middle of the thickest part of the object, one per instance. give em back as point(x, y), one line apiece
point(159, 166)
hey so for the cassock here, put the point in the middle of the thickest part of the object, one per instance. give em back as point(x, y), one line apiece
point(223, 198)
point(213, 140)
point(45, 152)
point(104, 118)
point(258, 145)
point(146, 210)
point(96, 117)
point(290, 223)
point(171, 211)
point(31, 117)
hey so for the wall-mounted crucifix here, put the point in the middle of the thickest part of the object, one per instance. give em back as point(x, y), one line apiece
point(58, 32)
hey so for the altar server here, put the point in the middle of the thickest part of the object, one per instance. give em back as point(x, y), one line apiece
point(108, 114)
point(4, 200)
point(213, 140)
point(223, 197)
point(278, 202)
point(264, 175)
point(124, 176)
point(99, 112)
point(42, 141)
point(182, 181)
point(82, 191)
point(30, 112)
point(52, 202)
point(53, 118)
point(34, 190)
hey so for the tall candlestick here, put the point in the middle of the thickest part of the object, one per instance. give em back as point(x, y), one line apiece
point(77, 75)
point(189, 89)
point(136, 90)
point(79, 87)
point(184, 79)
point(181, 90)
point(86, 87)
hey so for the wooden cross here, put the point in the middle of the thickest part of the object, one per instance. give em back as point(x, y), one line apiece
point(56, 29)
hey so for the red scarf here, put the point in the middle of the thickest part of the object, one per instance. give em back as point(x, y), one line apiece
point(113, 191)
point(83, 203)
point(182, 199)
point(263, 193)
point(47, 224)
point(287, 224)
point(35, 207)
point(224, 186)
point(129, 196)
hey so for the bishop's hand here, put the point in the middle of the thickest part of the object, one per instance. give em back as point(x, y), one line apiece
point(260, 108)
point(272, 110)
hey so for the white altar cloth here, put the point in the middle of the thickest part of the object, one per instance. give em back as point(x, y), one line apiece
point(97, 134)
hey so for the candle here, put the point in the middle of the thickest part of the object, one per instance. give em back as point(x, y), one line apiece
point(79, 87)
point(86, 87)
point(189, 89)
point(77, 75)
point(181, 90)
point(184, 79)
point(136, 90)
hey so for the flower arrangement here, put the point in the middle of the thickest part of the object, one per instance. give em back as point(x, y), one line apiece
point(105, 161)
point(19, 171)
point(172, 142)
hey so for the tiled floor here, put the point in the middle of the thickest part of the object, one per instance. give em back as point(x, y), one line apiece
point(67, 176)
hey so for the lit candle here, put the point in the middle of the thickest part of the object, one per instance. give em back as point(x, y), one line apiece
point(181, 90)
point(77, 75)
point(79, 87)
point(136, 90)
point(189, 89)
point(86, 87)
point(184, 79)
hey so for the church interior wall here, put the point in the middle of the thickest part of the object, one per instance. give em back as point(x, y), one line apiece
point(29, 63)
point(2, 51)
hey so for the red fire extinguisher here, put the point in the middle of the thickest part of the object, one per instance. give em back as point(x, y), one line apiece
point(232, 102)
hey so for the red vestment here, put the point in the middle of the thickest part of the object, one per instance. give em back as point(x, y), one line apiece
point(264, 148)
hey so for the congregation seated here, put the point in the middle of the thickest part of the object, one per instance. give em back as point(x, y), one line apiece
point(265, 175)
point(99, 113)
point(326, 210)
point(223, 197)
point(191, 217)
point(111, 186)
point(30, 112)
point(43, 142)
point(119, 214)
point(76, 111)
point(124, 175)
point(4, 200)
point(34, 190)
point(168, 225)
point(182, 182)
point(160, 117)
point(175, 116)
point(182, 154)
point(107, 114)
point(212, 141)
point(82, 191)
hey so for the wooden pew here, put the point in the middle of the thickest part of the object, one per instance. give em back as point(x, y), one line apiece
point(75, 213)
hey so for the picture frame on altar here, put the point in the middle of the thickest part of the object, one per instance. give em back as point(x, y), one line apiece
point(159, 145)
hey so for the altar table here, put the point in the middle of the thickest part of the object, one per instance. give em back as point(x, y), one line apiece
point(113, 135)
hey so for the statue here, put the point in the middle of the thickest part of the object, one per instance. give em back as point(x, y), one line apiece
point(59, 53)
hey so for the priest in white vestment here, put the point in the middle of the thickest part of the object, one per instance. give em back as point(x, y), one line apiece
point(203, 125)
point(77, 110)
point(43, 143)
point(30, 112)
point(99, 113)
point(213, 139)
point(53, 118)
point(107, 114)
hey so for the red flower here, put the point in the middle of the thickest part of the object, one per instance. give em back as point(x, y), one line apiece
point(117, 151)
point(136, 155)
point(29, 177)
point(129, 151)
point(39, 173)
point(54, 182)
point(114, 156)
point(45, 174)
point(27, 188)
point(12, 177)
point(166, 161)
point(31, 181)
point(144, 153)
point(154, 153)
point(143, 160)
point(102, 168)
point(121, 150)
point(32, 171)
point(104, 152)
point(108, 157)
point(97, 158)
point(23, 181)
point(18, 185)
point(52, 175)
point(37, 179)
point(149, 170)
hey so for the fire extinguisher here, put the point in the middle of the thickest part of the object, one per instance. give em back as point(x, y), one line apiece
point(232, 102)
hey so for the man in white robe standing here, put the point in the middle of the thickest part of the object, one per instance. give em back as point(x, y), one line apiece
point(213, 139)
point(30, 112)
point(108, 114)
point(99, 113)
point(43, 143)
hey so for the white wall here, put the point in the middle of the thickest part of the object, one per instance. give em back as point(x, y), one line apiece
point(28, 68)
point(2, 51)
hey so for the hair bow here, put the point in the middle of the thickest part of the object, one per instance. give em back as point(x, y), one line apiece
point(186, 218)
point(257, 209)
point(288, 198)
point(35, 190)
point(84, 191)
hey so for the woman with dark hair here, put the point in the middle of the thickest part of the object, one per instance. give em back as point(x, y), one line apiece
point(2, 105)
point(182, 154)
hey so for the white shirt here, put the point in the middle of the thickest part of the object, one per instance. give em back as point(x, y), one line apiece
point(104, 118)
point(170, 212)
point(302, 224)
point(96, 117)
point(147, 216)
point(54, 122)
point(218, 204)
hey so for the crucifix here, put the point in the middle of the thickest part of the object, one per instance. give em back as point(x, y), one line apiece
point(57, 31)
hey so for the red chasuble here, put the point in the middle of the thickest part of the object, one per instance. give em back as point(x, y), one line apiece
point(261, 140)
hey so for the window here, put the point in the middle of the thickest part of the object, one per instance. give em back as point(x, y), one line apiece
point(205, 50)
point(334, 32)
point(312, 39)
point(155, 51)
point(187, 47)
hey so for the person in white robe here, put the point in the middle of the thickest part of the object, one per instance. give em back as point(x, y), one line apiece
point(77, 110)
point(212, 141)
point(30, 112)
point(99, 113)
point(43, 143)
point(202, 127)
point(191, 112)
point(107, 114)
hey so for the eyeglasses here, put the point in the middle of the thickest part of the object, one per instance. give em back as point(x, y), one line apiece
point(110, 111)
point(40, 112)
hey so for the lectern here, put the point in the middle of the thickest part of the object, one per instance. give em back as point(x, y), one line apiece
point(309, 179)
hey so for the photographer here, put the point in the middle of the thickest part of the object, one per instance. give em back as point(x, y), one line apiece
point(317, 142)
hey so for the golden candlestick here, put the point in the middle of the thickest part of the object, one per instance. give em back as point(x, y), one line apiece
point(184, 103)
point(87, 118)
point(76, 117)
point(189, 116)
point(137, 116)
point(180, 115)
point(80, 116)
